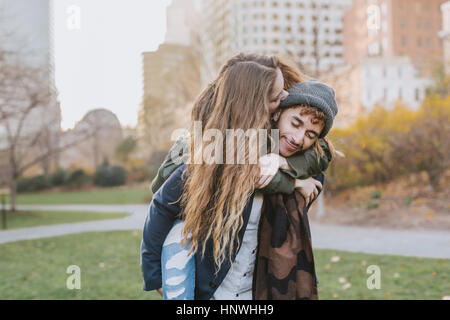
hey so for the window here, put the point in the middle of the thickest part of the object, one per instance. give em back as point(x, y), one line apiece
point(419, 24)
point(276, 41)
point(274, 4)
point(419, 42)
point(288, 29)
point(276, 28)
point(288, 4)
point(404, 41)
point(288, 17)
point(275, 16)
point(403, 23)
point(417, 94)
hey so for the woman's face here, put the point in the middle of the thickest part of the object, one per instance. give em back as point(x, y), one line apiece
point(297, 132)
point(278, 93)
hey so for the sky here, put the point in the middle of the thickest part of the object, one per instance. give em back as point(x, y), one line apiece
point(98, 46)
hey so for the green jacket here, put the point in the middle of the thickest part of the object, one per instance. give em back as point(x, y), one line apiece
point(303, 164)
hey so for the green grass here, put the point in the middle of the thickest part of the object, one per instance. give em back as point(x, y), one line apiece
point(401, 277)
point(97, 196)
point(24, 219)
point(109, 263)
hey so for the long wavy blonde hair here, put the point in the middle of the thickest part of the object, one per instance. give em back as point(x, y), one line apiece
point(215, 195)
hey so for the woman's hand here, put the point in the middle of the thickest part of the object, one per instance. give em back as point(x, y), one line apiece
point(268, 167)
point(309, 188)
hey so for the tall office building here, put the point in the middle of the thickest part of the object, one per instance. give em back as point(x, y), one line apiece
point(392, 28)
point(445, 34)
point(26, 31)
point(26, 39)
point(310, 31)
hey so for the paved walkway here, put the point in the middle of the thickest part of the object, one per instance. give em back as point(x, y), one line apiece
point(433, 244)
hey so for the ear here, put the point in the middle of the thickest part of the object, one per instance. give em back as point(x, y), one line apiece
point(276, 116)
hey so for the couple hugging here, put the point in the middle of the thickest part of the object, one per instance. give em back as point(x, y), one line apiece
point(240, 231)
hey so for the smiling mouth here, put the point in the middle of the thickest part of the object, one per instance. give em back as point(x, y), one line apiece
point(290, 146)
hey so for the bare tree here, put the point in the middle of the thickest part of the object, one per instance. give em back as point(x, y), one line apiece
point(28, 117)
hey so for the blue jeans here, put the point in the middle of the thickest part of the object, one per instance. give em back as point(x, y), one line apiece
point(177, 267)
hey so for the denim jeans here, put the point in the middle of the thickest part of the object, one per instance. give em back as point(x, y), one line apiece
point(178, 268)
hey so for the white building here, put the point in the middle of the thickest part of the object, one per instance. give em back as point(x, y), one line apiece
point(310, 31)
point(388, 80)
point(182, 22)
point(375, 80)
point(26, 39)
point(445, 34)
point(26, 31)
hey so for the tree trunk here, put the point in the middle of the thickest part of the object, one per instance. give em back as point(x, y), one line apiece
point(13, 194)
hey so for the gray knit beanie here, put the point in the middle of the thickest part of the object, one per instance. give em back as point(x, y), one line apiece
point(315, 94)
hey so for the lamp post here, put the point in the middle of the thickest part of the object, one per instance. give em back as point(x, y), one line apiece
point(3, 194)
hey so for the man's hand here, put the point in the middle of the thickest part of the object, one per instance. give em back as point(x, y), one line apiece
point(160, 291)
point(309, 188)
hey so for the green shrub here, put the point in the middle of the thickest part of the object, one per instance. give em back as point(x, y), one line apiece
point(77, 178)
point(32, 184)
point(23, 185)
point(372, 205)
point(407, 201)
point(59, 177)
point(110, 176)
point(375, 195)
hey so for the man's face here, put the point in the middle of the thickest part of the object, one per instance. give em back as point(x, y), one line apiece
point(297, 132)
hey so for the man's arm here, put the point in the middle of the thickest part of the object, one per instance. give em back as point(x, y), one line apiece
point(174, 159)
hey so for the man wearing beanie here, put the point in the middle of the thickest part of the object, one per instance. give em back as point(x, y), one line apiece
point(305, 117)
point(315, 94)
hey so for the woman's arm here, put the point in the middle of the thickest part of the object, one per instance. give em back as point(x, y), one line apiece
point(164, 209)
point(302, 166)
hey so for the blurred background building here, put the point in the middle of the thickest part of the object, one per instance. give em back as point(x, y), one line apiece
point(445, 34)
point(171, 78)
point(311, 32)
point(26, 44)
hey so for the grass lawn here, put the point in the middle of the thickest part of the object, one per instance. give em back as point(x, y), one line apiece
point(24, 219)
point(109, 263)
point(97, 196)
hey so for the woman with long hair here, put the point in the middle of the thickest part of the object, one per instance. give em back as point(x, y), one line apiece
point(217, 197)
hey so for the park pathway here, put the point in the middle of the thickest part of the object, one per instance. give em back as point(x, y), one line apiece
point(419, 243)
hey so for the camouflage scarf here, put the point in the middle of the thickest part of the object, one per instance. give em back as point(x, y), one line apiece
point(284, 267)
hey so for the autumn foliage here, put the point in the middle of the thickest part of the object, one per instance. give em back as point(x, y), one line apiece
point(385, 144)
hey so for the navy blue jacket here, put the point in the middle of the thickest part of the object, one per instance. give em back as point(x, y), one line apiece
point(163, 211)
